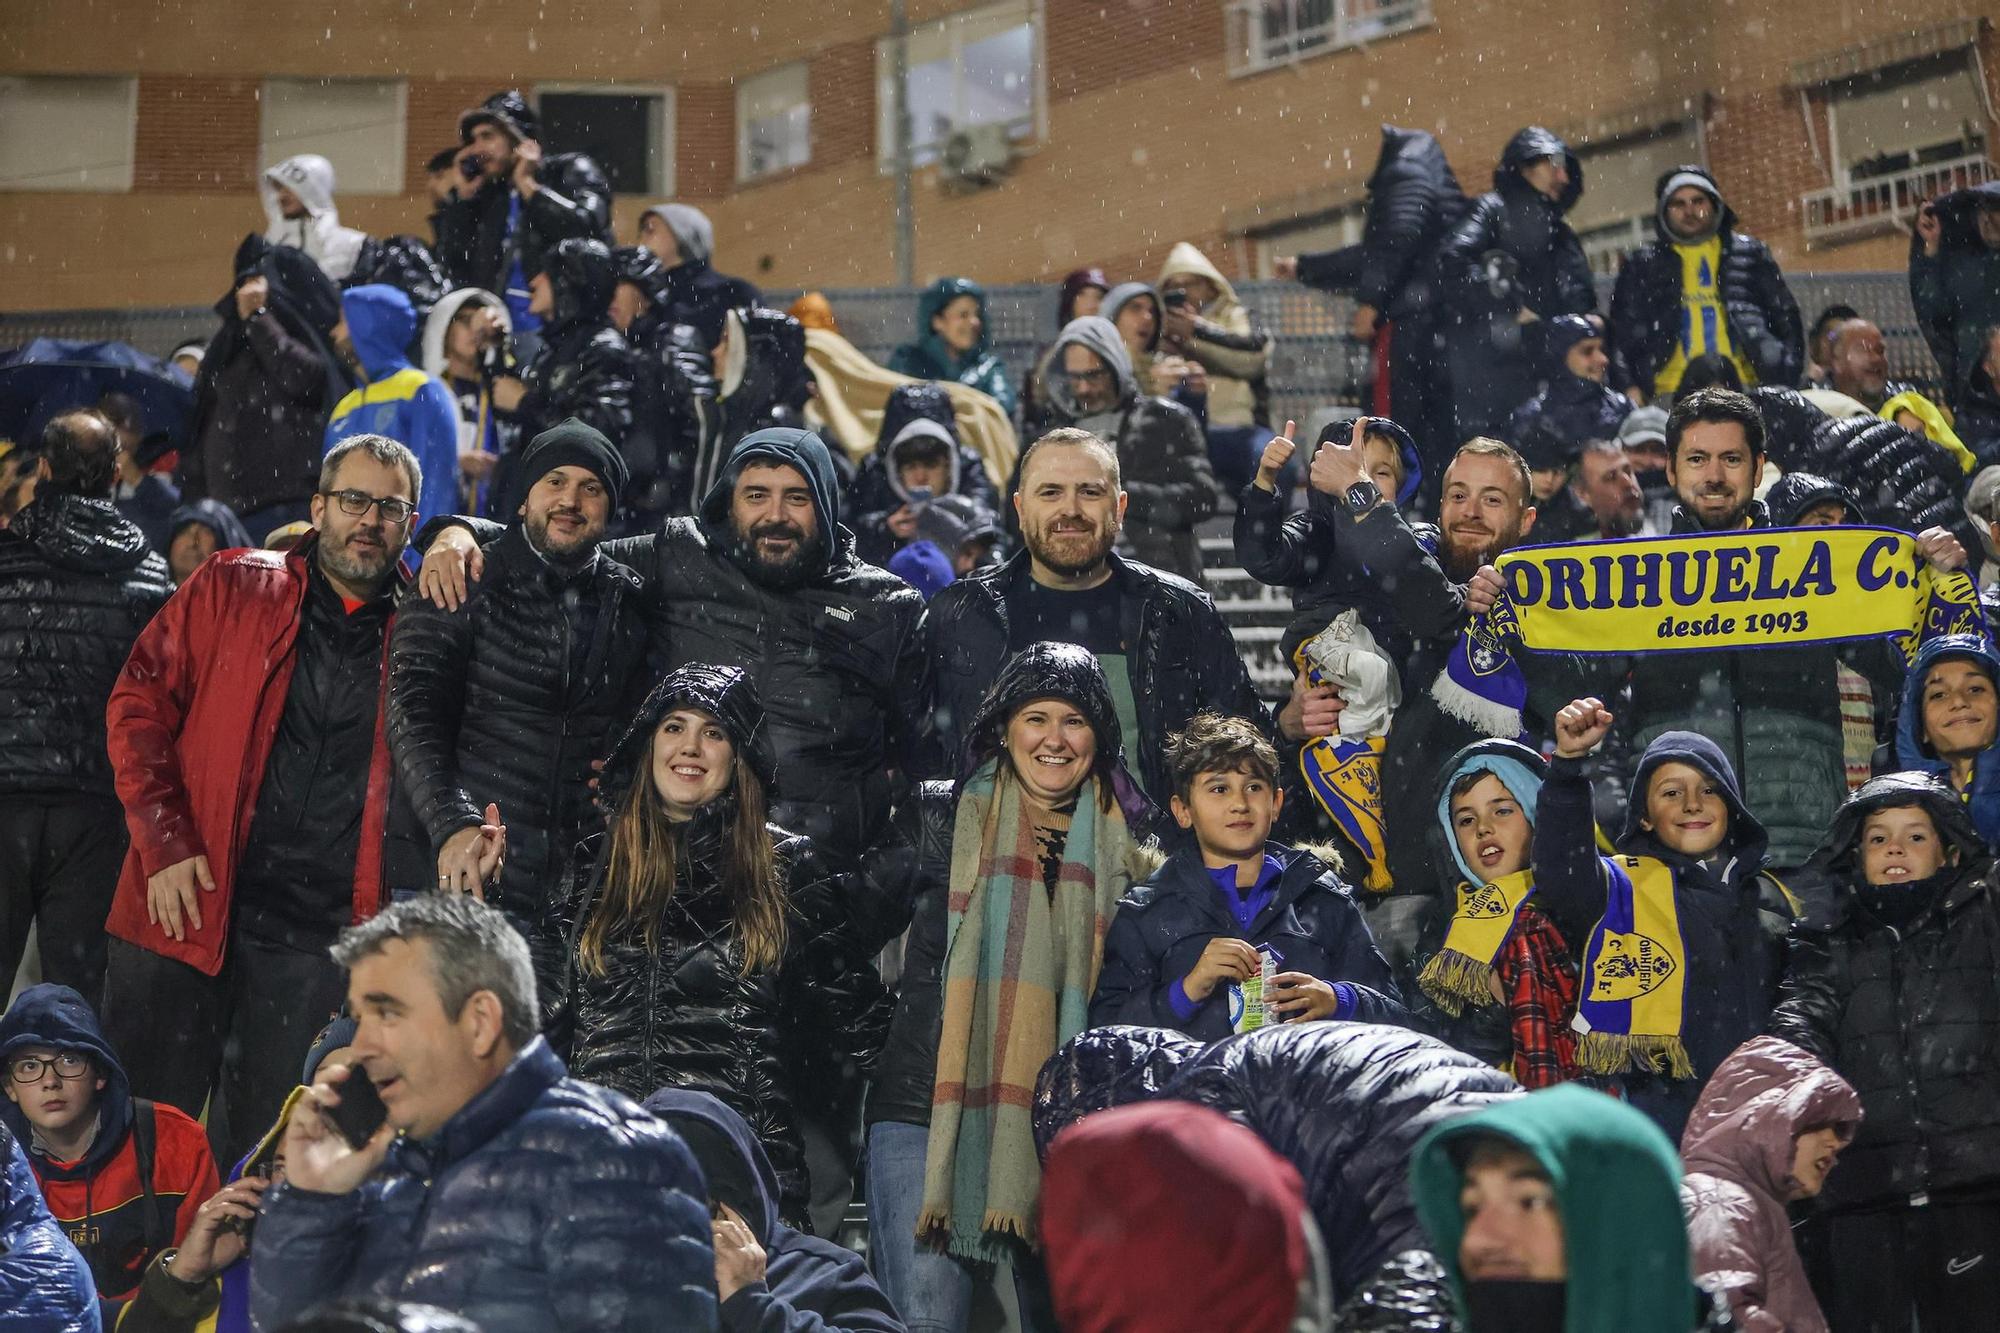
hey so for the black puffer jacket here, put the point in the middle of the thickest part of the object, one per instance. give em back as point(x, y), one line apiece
point(837, 659)
point(674, 416)
point(1345, 1103)
point(1179, 652)
point(761, 383)
point(1901, 480)
point(1414, 199)
point(1908, 1012)
point(1511, 251)
point(1956, 292)
point(681, 1012)
point(1646, 304)
point(585, 369)
point(77, 584)
point(574, 201)
point(508, 699)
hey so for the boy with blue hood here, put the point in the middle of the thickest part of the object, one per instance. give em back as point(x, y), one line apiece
point(1681, 934)
point(1947, 725)
point(122, 1176)
point(398, 400)
point(769, 1277)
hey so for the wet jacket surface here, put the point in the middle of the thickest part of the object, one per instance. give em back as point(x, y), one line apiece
point(1345, 1103)
point(1909, 1014)
point(508, 699)
point(1646, 304)
point(44, 1284)
point(585, 369)
point(1956, 292)
point(77, 584)
point(191, 724)
point(543, 1203)
point(1180, 654)
point(473, 242)
point(1738, 1153)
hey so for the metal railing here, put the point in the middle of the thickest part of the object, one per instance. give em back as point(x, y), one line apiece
point(1264, 34)
point(1314, 363)
point(1885, 203)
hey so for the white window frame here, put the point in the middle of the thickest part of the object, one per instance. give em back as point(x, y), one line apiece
point(1352, 23)
point(1843, 169)
point(1606, 243)
point(661, 155)
point(111, 177)
point(270, 155)
point(746, 94)
point(953, 28)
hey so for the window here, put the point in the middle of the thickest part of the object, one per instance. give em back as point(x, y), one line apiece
point(773, 122)
point(67, 134)
point(629, 131)
point(980, 67)
point(356, 124)
point(1328, 231)
point(1264, 34)
point(1910, 116)
point(1621, 181)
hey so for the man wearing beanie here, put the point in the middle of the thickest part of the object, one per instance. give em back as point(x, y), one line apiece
point(497, 707)
point(1702, 289)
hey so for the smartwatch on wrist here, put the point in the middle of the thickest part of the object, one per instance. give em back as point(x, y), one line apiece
point(1361, 497)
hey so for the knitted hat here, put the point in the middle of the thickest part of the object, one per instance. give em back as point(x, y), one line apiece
point(571, 443)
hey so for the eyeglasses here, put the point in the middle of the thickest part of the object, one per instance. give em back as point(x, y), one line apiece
point(356, 504)
point(68, 1064)
point(1090, 376)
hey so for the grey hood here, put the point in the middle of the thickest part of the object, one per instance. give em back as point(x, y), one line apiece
point(692, 230)
point(1100, 335)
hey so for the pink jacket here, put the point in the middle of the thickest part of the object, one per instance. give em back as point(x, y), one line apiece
point(1738, 1152)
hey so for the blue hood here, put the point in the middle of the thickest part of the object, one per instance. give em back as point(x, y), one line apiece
point(50, 1015)
point(1520, 770)
point(214, 515)
point(1342, 430)
point(380, 323)
point(1912, 751)
point(707, 1125)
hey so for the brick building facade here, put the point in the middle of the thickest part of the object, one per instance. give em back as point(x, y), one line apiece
point(1247, 126)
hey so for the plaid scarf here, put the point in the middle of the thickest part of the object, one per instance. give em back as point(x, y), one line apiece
point(1020, 964)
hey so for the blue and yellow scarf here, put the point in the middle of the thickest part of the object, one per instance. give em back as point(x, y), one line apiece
point(1633, 1004)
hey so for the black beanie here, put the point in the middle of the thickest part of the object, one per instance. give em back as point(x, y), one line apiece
point(571, 443)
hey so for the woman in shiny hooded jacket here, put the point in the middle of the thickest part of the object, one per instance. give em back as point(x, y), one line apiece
point(1511, 260)
point(1900, 993)
point(699, 946)
point(956, 839)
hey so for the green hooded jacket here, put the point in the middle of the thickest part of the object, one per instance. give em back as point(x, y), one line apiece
point(929, 358)
point(1617, 1184)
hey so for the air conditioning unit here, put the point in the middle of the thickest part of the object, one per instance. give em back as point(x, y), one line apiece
point(977, 155)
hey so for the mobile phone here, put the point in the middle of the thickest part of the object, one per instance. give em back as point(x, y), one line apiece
point(1174, 300)
point(471, 165)
point(360, 1112)
point(919, 496)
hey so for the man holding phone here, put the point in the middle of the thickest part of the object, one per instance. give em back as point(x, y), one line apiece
point(516, 202)
point(496, 1186)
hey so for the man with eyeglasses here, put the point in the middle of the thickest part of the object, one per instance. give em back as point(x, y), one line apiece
point(247, 739)
point(123, 1177)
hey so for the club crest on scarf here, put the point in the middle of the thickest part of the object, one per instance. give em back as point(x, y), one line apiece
point(1630, 965)
point(1344, 776)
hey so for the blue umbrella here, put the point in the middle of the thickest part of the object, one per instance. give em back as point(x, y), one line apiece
point(49, 376)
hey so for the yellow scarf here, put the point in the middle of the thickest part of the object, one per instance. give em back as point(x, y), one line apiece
point(1461, 972)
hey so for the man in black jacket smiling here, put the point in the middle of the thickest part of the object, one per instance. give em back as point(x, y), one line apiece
point(1165, 649)
point(77, 584)
point(506, 699)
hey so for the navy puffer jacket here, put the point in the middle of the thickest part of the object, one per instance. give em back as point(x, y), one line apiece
point(45, 1286)
point(543, 1203)
point(1901, 480)
point(77, 584)
point(1413, 200)
point(1646, 305)
point(1345, 1103)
